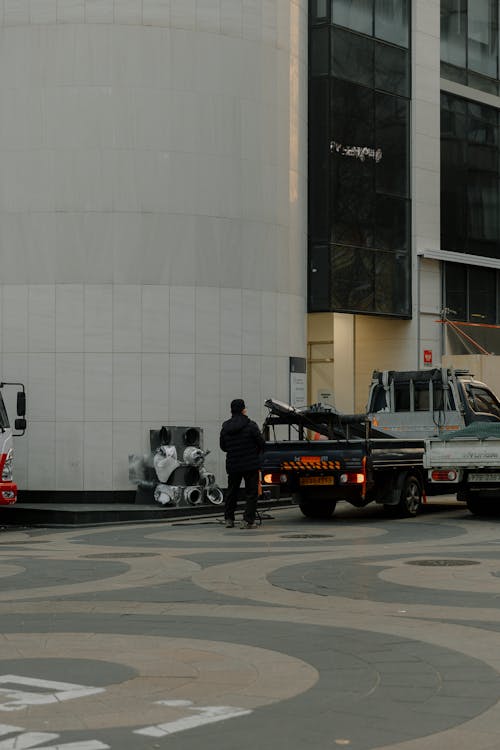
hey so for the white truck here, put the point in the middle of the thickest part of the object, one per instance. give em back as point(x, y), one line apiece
point(473, 456)
point(383, 455)
point(8, 487)
point(427, 403)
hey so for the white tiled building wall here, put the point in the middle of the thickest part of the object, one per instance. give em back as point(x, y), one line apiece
point(152, 222)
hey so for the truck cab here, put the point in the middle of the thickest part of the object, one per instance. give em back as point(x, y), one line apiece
point(428, 403)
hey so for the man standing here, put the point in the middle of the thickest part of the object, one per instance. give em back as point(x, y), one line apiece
point(242, 441)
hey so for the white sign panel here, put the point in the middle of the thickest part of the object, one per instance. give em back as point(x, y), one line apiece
point(298, 389)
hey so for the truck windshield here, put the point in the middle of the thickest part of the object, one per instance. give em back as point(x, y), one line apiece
point(4, 420)
point(483, 402)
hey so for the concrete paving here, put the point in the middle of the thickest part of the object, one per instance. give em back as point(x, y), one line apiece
point(363, 632)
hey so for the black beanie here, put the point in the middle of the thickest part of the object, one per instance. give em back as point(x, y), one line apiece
point(237, 406)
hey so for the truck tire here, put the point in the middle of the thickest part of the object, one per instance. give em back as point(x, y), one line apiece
point(479, 506)
point(317, 508)
point(411, 497)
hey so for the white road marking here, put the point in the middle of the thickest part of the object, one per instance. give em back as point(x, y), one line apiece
point(12, 699)
point(28, 740)
point(203, 715)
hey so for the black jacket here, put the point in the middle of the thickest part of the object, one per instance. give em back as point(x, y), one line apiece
point(242, 441)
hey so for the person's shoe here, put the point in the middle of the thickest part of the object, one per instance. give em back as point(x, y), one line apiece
point(229, 524)
point(247, 525)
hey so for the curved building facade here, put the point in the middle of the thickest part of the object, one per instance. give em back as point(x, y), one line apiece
point(152, 222)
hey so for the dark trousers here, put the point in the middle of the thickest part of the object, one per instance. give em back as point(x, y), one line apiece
point(251, 479)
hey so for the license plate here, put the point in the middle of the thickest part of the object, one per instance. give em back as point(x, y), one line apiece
point(484, 477)
point(315, 480)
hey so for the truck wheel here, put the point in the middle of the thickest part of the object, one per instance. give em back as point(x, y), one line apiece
point(411, 497)
point(317, 508)
point(478, 506)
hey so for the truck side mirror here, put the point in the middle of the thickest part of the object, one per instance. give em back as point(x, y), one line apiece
point(21, 405)
point(20, 424)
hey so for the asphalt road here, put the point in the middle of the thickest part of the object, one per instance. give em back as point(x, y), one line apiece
point(363, 632)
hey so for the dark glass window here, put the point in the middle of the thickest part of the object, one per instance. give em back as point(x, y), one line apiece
point(352, 171)
point(421, 396)
point(482, 295)
point(454, 32)
point(483, 401)
point(471, 293)
point(391, 223)
point(469, 42)
point(352, 57)
point(482, 124)
point(379, 399)
point(319, 278)
point(354, 14)
point(482, 212)
point(353, 276)
point(470, 177)
point(392, 283)
point(319, 10)
point(384, 19)
point(391, 69)
point(453, 174)
point(391, 21)
point(482, 42)
point(319, 159)
point(402, 396)
point(456, 291)
point(482, 83)
point(391, 133)
point(319, 62)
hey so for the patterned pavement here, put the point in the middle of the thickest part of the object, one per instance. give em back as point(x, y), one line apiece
point(363, 632)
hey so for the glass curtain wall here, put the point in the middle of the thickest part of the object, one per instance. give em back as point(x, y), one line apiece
point(470, 177)
point(359, 200)
point(469, 43)
point(472, 293)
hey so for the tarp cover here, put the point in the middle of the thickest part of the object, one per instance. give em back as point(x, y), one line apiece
point(481, 430)
point(404, 376)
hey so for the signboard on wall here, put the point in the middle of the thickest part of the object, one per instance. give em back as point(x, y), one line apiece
point(298, 382)
point(428, 357)
point(325, 396)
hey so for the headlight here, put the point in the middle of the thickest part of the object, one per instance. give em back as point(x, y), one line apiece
point(7, 467)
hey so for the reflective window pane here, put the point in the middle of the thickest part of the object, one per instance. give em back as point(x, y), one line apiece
point(319, 64)
point(319, 159)
point(482, 124)
point(354, 14)
point(319, 278)
point(391, 223)
point(482, 295)
point(489, 85)
point(451, 73)
point(456, 291)
point(391, 69)
point(391, 21)
point(319, 10)
point(392, 284)
point(353, 279)
point(391, 134)
point(482, 43)
point(453, 32)
point(482, 213)
point(453, 173)
point(352, 164)
point(453, 117)
point(352, 57)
